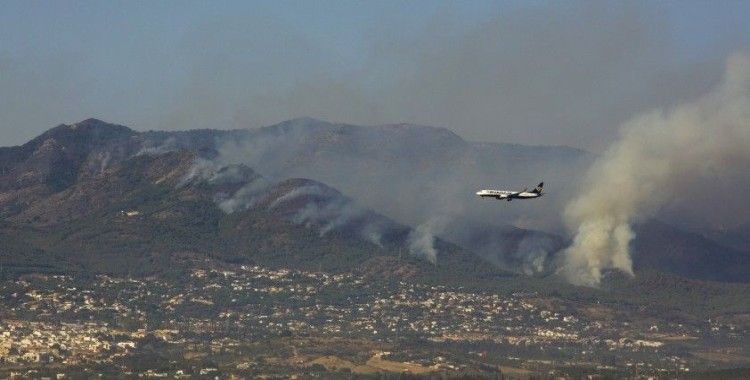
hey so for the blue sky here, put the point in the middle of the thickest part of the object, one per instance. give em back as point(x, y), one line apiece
point(181, 64)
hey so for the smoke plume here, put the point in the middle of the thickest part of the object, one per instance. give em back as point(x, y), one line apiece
point(434, 174)
point(692, 156)
point(422, 238)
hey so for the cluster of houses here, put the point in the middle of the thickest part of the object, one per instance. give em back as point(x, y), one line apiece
point(57, 319)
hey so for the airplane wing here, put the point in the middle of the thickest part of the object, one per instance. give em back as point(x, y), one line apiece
point(517, 192)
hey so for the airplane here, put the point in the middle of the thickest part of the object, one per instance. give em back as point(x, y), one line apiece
point(511, 195)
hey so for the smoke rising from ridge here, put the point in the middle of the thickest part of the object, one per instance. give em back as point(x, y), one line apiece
point(694, 155)
point(422, 238)
point(423, 177)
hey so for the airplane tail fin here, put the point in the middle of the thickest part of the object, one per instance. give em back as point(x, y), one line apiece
point(538, 189)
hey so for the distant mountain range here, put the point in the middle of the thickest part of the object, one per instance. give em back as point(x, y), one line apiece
point(97, 197)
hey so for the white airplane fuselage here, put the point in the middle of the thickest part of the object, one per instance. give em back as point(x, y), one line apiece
point(510, 195)
point(504, 194)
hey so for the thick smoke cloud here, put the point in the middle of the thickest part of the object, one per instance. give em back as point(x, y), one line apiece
point(555, 73)
point(423, 177)
point(694, 155)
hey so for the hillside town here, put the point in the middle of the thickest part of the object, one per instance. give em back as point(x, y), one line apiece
point(250, 321)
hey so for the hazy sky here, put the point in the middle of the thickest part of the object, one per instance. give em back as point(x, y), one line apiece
point(526, 72)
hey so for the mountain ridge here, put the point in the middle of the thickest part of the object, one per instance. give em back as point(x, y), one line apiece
point(39, 182)
point(142, 213)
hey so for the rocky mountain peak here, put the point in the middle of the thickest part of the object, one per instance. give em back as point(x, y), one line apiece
point(93, 130)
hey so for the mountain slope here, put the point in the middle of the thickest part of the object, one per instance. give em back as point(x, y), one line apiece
point(737, 238)
point(80, 177)
point(156, 212)
point(526, 251)
point(433, 172)
point(661, 247)
point(148, 213)
point(54, 159)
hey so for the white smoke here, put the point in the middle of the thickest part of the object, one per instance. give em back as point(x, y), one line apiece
point(373, 232)
point(422, 238)
point(244, 198)
point(695, 154)
point(150, 148)
point(200, 170)
point(294, 194)
point(253, 187)
point(343, 213)
point(533, 252)
point(335, 213)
